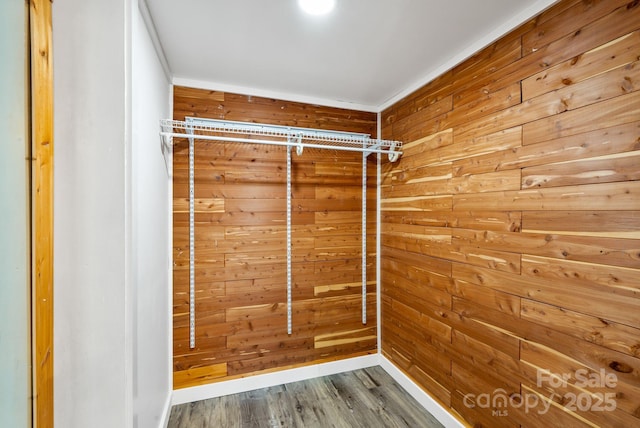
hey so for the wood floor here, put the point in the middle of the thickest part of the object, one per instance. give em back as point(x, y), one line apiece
point(362, 398)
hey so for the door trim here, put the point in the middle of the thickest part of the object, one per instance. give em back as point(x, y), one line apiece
point(42, 209)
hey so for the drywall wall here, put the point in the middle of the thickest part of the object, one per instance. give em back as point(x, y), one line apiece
point(15, 325)
point(510, 227)
point(240, 239)
point(112, 327)
point(92, 214)
point(151, 255)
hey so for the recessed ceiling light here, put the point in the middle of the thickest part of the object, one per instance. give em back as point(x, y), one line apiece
point(317, 7)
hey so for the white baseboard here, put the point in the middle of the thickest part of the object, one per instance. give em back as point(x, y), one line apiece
point(425, 400)
point(196, 393)
point(203, 392)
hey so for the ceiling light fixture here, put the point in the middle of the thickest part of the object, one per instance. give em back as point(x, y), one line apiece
point(317, 7)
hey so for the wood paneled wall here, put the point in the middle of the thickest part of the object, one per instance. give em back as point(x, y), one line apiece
point(511, 225)
point(240, 235)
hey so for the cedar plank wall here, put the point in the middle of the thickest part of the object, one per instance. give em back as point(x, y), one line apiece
point(511, 225)
point(240, 199)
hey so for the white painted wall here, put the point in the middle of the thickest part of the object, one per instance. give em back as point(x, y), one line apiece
point(151, 262)
point(112, 335)
point(92, 214)
point(15, 354)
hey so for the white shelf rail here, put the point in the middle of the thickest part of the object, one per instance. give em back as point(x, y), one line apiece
point(255, 133)
point(194, 129)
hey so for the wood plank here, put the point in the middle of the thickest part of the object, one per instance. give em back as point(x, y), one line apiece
point(485, 220)
point(419, 186)
point(488, 182)
point(504, 51)
point(598, 301)
point(598, 33)
point(552, 11)
point(606, 169)
point(486, 333)
point(434, 273)
point(240, 190)
point(591, 355)
point(609, 85)
point(198, 375)
point(201, 205)
point(418, 203)
point(393, 178)
point(488, 363)
point(344, 337)
point(440, 87)
point(458, 251)
point(569, 21)
point(336, 289)
point(616, 111)
point(477, 102)
point(612, 335)
point(409, 291)
point(477, 256)
point(620, 280)
point(475, 145)
point(588, 197)
point(42, 187)
point(419, 153)
point(434, 234)
point(609, 251)
point(437, 219)
point(497, 300)
point(249, 218)
point(616, 53)
point(600, 142)
point(419, 261)
point(339, 192)
point(421, 122)
point(197, 94)
point(334, 167)
point(620, 224)
point(424, 144)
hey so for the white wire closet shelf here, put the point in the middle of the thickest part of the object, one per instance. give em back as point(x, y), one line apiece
point(300, 138)
point(193, 129)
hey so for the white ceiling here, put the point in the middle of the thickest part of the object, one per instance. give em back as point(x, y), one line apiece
point(365, 54)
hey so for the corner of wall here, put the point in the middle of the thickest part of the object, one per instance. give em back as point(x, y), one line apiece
point(425, 400)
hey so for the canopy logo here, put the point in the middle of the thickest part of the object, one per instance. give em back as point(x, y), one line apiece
point(499, 401)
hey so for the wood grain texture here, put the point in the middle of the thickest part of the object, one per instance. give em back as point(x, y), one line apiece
point(362, 398)
point(487, 281)
point(42, 207)
point(240, 243)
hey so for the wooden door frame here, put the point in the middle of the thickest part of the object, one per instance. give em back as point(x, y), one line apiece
point(40, 30)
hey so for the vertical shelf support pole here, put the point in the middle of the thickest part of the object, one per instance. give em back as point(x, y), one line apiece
point(364, 237)
point(192, 249)
point(289, 240)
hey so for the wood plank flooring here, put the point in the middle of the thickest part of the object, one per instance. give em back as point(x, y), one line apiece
point(362, 398)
